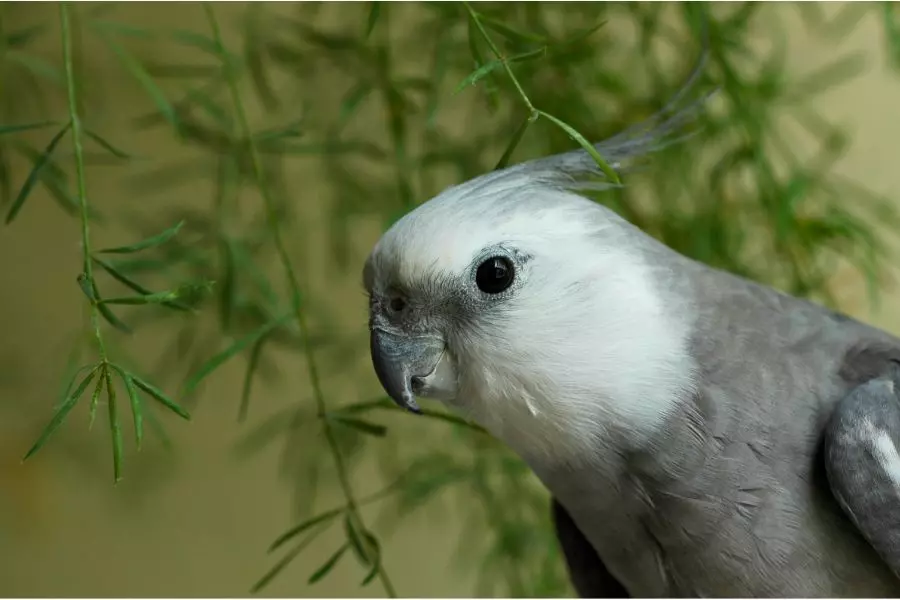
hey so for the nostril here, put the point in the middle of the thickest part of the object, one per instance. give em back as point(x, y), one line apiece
point(417, 383)
point(398, 304)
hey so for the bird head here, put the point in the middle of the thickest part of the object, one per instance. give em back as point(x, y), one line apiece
point(537, 312)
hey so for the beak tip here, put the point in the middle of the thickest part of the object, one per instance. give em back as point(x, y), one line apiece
point(393, 362)
point(413, 407)
point(406, 400)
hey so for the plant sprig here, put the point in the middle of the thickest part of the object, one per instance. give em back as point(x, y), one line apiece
point(533, 112)
point(354, 518)
point(103, 369)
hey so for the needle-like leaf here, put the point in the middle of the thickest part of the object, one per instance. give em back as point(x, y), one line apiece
point(7, 129)
point(160, 396)
point(233, 350)
point(61, 413)
point(298, 529)
point(359, 424)
point(106, 145)
point(95, 398)
point(35, 173)
point(328, 565)
point(115, 428)
point(151, 242)
point(137, 70)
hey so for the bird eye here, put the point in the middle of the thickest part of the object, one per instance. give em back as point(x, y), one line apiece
point(397, 304)
point(494, 275)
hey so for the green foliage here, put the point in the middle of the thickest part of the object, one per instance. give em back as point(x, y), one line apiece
point(392, 106)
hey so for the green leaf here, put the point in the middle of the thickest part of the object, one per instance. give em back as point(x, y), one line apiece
point(136, 410)
point(116, 274)
point(254, 50)
point(137, 70)
point(291, 130)
point(53, 179)
point(228, 289)
point(270, 429)
point(252, 365)
point(356, 541)
point(201, 42)
point(892, 31)
point(154, 298)
point(35, 173)
point(359, 424)
point(372, 20)
point(352, 102)
point(86, 286)
point(105, 312)
point(826, 78)
point(286, 560)
point(110, 317)
point(37, 66)
point(95, 398)
point(328, 565)
point(165, 298)
point(579, 37)
point(514, 142)
point(6, 129)
point(508, 32)
point(106, 145)
point(61, 414)
point(298, 529)
point(376, 562)
point(490, 88)
point(5, 176)
point(21, 37)
point(115, 429)
point(366, 405)
point(234, 349)
point(588, 147)
point(388, 404)
point(216, 112)
point(452, 419)
point(158, 394)
point(151, 242)
point(477, 75)
point(495, 64)
point(71, 373)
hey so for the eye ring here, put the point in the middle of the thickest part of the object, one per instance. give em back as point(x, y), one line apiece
point(495, 275)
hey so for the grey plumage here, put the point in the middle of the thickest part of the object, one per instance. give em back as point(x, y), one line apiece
point(743, 508)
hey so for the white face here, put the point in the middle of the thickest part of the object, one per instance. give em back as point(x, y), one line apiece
point(528, 308)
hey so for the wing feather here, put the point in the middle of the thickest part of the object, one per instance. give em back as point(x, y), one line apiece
point(862, 461)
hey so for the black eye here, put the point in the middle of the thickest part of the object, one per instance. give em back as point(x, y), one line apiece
point(494, 275)
point(397, 304)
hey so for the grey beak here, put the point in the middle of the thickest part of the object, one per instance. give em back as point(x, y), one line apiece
point(402, 362)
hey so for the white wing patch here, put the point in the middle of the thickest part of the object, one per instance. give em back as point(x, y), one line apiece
point(885, 451)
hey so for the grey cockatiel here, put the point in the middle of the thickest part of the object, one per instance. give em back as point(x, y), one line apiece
point(701, 435)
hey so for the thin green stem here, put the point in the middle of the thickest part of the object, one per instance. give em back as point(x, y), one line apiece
point(87, 267)
point(500, 57)
point(295, 289)
point(534, 112)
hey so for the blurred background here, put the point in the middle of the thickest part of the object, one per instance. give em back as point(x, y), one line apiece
point(327, 121)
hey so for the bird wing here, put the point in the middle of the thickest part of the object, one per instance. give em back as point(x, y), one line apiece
point(862, 452)
point(588, 574)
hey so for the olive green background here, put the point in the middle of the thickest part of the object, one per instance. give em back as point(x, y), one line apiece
point(197, 521)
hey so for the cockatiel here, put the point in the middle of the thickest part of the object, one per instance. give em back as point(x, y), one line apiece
point(701, 434)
